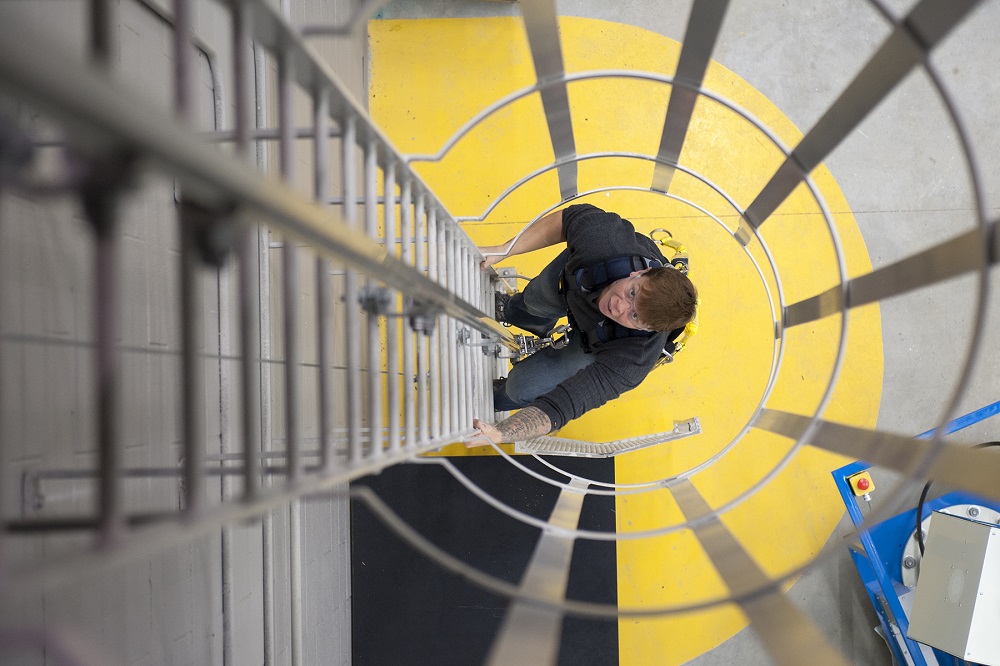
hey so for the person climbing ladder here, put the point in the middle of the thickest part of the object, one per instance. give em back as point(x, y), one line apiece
point(626, 304)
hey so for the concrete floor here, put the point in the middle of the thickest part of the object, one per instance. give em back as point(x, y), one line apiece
point(905, 178)
point(906, 181)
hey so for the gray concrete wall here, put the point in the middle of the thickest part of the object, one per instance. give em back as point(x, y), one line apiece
point(167, 608)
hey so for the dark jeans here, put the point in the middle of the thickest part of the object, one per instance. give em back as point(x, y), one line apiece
point(537, 309)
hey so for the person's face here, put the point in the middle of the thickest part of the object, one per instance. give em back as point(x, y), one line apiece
point(617, 301)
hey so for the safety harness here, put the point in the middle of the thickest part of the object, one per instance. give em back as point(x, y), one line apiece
point(591, 279)
point(594, 278)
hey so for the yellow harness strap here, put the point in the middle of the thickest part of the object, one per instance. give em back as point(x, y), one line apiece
point(679, 261)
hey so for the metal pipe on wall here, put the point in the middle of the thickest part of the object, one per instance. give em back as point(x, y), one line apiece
point(286, 77)
point(295, 578)
point(264, 299)
point(290, 275)
point(249, 279)
point(324, 320)
point(192, 375)
point(100, 209)
point(191, 305)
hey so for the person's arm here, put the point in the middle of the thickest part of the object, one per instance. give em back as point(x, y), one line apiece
point(607, 378)
point(526, 424)
point(619, 366)
point(545, 232)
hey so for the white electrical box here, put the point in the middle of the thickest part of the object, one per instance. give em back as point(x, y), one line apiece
point(956, 607)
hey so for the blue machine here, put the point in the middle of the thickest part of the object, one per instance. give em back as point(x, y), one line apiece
point(883, 549)
point(879, 559)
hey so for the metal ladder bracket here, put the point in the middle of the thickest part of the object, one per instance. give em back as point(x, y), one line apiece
point(507, 280)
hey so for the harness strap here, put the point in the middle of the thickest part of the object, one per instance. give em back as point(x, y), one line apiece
point(589, 279)
point(609, 329)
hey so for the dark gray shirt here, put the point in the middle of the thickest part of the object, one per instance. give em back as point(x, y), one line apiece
point(593, 236)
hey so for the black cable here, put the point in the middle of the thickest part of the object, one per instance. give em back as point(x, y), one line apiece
point(920, 517)
point(923, 496)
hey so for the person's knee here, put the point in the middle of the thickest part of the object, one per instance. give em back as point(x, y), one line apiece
point(522, 316)
point(543, 305)
point(522, 393)
point(504, 401)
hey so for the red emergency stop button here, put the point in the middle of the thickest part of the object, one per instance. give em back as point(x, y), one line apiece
point(861, 484)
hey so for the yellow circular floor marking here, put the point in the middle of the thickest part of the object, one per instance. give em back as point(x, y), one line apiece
point(429, 77)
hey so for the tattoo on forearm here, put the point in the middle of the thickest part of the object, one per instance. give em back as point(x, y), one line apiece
point(528, 423)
